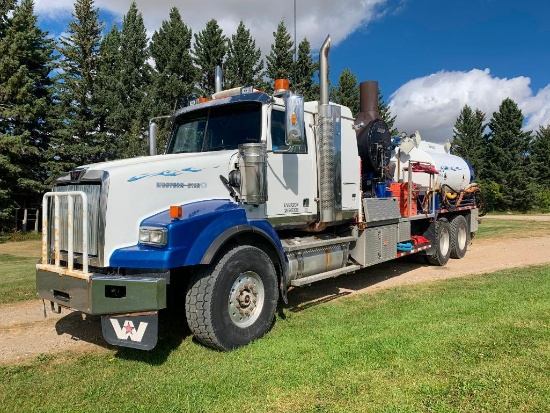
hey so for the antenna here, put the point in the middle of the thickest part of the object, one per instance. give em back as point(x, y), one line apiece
point(295, 40)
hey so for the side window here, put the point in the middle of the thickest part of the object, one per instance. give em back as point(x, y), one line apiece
point(278, 133)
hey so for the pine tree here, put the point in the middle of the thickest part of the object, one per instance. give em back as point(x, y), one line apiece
point(280, 58)
point(25, 104)
point(385, 114)
point(541, 155)
point(136, 77)
point(507, 159)
point(107, 94)
point(244, 64)
point(75, 136)
point(171, 50)
point(304, 69)
point(468, 140)
point(6, 6)
point(209, 51)
point(346, 91)
point(125, 91)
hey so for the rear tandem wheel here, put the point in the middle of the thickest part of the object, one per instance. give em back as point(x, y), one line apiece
point(441, 243)
point(460, 236)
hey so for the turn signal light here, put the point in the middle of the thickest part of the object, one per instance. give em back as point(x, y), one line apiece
point(176, 211)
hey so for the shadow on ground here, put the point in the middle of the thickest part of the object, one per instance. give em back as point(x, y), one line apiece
point(330, 289)
point(173, 328)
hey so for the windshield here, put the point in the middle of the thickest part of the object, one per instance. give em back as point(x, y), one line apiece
point(217, 128)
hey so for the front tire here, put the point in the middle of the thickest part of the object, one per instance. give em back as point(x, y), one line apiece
point(460, 237)
point(442, 243)
point(233, 302)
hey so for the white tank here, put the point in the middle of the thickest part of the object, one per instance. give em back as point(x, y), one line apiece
point(453, 170)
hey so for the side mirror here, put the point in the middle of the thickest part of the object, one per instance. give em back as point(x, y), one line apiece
point(294, 119)
point(153, 128)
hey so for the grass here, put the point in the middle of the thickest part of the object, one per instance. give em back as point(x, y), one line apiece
point(17, 265)
point(477, 344)
point(17, 236)
point(506, 229)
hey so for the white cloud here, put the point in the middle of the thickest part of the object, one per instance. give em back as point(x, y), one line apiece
point(431, 104)
point(538, 108)
point(315, 18)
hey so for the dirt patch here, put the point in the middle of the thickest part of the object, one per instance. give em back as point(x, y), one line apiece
point(26, 333)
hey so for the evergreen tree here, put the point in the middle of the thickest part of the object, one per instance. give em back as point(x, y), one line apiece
point(507, 157)
point(304, 69)
point(6, 6)
point(541, 156)
point(346, 91)
point(75, 136)
point(468, 141)
point(130, 101)
point(280, 58)
point(137, 79)
point(25, 103)
point(385, 114)
point(244, 64)
point(108, 94)
point(171, 50)
point(209, 51)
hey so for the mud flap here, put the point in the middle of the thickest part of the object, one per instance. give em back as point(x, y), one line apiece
point(131, 330)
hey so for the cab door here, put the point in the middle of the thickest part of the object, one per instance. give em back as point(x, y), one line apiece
point(291, 174)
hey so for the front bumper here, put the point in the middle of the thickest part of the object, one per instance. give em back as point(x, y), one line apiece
point(102, 294)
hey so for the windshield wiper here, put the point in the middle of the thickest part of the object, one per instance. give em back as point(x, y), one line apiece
point(219, 148)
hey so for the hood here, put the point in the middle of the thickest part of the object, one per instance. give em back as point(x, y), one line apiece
point(139, 188)
point(163, 163)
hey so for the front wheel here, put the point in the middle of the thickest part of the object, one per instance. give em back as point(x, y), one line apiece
point(233, 302)
point(442, 243)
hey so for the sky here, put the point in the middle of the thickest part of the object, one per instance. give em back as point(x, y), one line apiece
point(430, 57)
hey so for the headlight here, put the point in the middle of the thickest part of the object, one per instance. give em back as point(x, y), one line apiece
point(153, 236)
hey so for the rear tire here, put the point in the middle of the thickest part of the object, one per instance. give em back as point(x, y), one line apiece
point(460, 237)
point(442, 243)
point(233, 302)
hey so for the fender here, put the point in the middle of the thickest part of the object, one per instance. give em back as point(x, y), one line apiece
point(195, 238)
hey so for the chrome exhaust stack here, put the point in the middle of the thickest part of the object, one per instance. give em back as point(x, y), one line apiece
point(218, 83)
point(328, 146)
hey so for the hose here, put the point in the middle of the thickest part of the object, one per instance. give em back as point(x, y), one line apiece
point(448, 194)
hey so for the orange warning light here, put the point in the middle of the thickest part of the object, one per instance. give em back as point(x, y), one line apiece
point(176, 211)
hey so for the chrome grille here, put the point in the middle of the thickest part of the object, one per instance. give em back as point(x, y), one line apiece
point(93, 193)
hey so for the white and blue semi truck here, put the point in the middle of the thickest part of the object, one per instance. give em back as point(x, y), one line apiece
point(255, 194)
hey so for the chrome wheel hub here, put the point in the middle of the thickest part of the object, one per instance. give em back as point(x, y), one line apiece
point(246, 299)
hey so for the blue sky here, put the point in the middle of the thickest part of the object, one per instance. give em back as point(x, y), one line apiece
point(430, 56)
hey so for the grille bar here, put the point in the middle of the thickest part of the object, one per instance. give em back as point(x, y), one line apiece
point(68, 197)
point(93, 193)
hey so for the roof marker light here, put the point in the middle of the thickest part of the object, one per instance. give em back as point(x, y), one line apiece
point(281, 85)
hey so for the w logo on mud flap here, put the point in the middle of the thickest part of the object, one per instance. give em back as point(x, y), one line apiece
point(140, 331)
point(128, 330)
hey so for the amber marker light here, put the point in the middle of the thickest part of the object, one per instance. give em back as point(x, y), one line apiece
point(281, 85)
point(176, 211)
